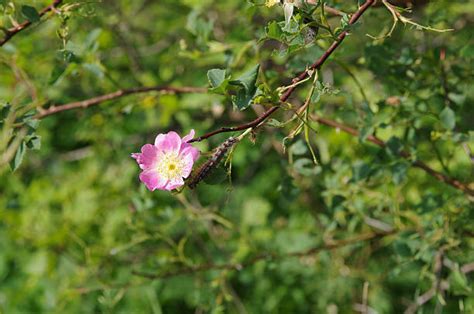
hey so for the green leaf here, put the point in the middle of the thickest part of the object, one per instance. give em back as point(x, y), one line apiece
point(459, 284)
point(360, 171)
point(20, 153)
point(248, 79)
point(298, 148)
point(243, 99)
point(217, 80)
point(247, 88)
point(274, 31)
point(448, 118)
point(30, 13)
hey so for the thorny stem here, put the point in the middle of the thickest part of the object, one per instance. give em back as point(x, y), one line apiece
point(117, 94)
point(292, 87)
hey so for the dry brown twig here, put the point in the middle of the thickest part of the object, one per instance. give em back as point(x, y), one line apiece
point(117, 94)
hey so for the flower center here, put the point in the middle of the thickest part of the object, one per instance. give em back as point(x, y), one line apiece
point(170, 166)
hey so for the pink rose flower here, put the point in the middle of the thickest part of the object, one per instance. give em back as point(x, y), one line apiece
point(166, 164)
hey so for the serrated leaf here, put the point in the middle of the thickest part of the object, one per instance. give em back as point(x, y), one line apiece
point(448, 118)
point(30, 13)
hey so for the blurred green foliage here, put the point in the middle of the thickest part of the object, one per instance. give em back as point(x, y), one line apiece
point(78, 231)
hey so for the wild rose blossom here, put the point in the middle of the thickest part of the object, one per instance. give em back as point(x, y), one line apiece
point(168, 162)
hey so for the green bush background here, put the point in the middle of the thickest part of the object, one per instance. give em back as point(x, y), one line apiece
point(76, 226)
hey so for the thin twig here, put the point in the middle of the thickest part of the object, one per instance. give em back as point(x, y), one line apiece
point(9, 33)
point(333, 11)
point(291, 88)
point(117, 94)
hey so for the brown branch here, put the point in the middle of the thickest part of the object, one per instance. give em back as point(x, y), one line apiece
point(266, 256)
point(9, 33)
point(290, 89)
point(117, 94)
point(417, 163)
point(333, 11)
point(315, 66)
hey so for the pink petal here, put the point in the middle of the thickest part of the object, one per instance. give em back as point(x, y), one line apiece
point(147, 157)
point(187, 149)
point(153, 180)
point(188, 165)
point(136, 156)
point(159, 139)
point(170, 142)
point(173, 184)
point(189, 137)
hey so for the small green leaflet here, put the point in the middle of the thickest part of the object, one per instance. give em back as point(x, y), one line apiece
point(30, 13)
point(217, 80)
point(246, 88)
